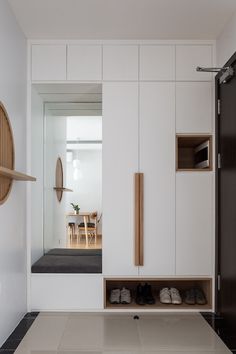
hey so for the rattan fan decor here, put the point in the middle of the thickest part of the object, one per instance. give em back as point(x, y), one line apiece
point(59, 179)
point(7, 154)
point(7, 157)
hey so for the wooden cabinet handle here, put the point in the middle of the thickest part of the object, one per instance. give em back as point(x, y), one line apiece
point(138, 183)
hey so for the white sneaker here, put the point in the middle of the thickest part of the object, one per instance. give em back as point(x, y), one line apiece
point(175, 296)
point(125, 296)
point(165, 296)
point(114, 296)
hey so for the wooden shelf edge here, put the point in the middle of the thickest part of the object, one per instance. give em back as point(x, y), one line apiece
point(62, 189)
point(157, 306)
point(194, 169)
point(18, 176)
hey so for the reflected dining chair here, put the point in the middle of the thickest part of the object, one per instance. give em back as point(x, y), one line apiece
point(92, 224)
point(71, 230)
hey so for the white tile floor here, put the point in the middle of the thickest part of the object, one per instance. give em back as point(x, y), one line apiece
point(165, 333)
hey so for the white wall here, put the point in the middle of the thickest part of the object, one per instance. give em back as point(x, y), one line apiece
point(54, 211)
point(226, 43)
point(13, 211)
point(87, 191)
point(37, 116)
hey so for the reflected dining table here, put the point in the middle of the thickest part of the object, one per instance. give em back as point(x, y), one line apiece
point(85, 216)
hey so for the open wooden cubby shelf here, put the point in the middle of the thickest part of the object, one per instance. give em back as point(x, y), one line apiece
point(182, 284)
point(193, 153)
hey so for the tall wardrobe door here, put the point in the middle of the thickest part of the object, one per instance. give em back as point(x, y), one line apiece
point(194, 223)
point(157, 162)
point(120, 162)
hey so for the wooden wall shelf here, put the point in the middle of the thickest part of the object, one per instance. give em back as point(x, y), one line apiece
point(12, 174)
point(157, 284)
point(62, 189)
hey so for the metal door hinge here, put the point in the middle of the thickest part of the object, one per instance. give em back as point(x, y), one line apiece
point(218, 282)
point(218, 107)
point(219, 161)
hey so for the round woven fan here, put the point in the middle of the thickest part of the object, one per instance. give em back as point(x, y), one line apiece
point(7, 155)
point(59, 178)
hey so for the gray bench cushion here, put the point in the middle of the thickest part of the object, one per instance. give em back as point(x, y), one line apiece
point(69, 261)
point(73, 252)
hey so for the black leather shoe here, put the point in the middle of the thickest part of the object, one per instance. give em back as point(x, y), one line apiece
point(148, 297)
point(140, 299)
point(200, 297)
point(189, 297)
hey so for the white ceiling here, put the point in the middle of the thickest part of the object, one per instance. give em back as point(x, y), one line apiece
point(123, 19)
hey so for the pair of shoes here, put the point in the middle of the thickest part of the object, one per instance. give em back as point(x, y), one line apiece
point(144, 295)
point(120, 296)
point(170, 296)
point(195, 296)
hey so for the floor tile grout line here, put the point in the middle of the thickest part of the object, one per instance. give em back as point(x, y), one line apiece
point(59, 344)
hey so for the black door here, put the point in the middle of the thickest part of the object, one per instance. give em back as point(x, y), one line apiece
point(226, 197)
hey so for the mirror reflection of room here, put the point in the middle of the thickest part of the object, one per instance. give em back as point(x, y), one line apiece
point(83, 176)
point(73, 173)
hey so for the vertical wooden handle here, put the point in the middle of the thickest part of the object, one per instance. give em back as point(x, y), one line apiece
point(141, 219)
point(138, 179)
point(136, 219)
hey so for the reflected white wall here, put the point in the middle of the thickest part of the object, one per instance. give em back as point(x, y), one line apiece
point(87, 190)
point(54, 211)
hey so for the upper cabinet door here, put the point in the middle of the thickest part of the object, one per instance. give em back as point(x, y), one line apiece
point(157, 62)
point(157, 162)
point(84, 62)
point(194, 107)
point(194, 223)
point(188, 57)
point(48, 62)
point(120, 62)
point(120, 162)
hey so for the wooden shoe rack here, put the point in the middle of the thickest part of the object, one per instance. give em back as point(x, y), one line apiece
point(182, 284)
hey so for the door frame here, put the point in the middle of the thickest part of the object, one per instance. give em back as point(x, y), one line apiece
point(217, 197)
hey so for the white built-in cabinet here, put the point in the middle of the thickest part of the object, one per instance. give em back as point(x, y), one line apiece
point(146, 144)
point(84, 62)
point(188, 58)
point(194, 223)
point(120, 62)
point(157, 62)
point(157, 162)
point(150, 93)
point(120, 162)
point(48, 62)
point(194, 107)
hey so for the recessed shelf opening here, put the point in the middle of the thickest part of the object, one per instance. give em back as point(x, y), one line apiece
point(182, 284)
point(193, 152)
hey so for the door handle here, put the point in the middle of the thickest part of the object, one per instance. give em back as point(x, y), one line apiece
point(138, 227)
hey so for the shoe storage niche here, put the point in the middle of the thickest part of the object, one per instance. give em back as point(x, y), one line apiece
point(183, 285)
point(193, 153)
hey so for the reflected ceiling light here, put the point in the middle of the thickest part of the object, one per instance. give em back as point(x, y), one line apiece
point(76, 163)
point(69, 156)
point(77, 174)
